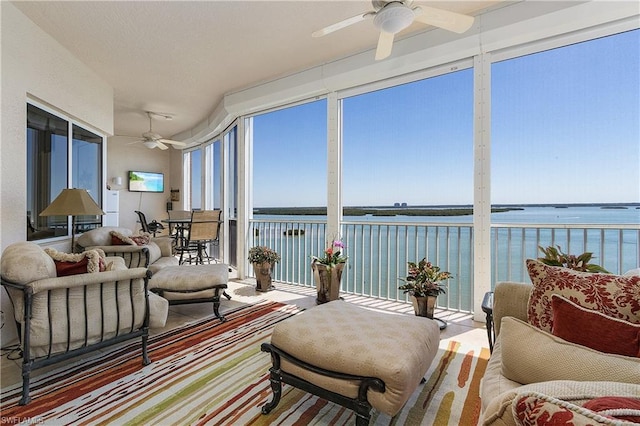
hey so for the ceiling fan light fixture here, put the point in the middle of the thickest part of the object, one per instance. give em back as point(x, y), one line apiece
point(149, 144)
point(393, 18)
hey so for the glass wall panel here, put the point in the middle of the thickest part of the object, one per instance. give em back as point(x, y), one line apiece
point(47, 171)
point(410, 144)
point(290, 157)
point(408, 149)
point(213, 175)
point(566, 144)
point(195, 189)
point(231, 142)
point(86, 170)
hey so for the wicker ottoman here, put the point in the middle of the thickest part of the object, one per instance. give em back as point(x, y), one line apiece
point(192, 284)
point(352, 356)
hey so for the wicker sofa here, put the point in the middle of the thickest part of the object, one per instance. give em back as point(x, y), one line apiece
point(155, 255)
point(59, 317)
point(527, 363)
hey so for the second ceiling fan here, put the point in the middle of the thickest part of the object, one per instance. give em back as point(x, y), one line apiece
point(391, 17)
point(153, 140)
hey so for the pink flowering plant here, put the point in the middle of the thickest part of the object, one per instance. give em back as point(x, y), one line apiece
point(332, 255)
point(423, 279)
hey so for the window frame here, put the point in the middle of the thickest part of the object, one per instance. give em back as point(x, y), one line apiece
point(72, 123)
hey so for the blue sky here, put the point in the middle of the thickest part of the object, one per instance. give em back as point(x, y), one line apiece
point(565, 129)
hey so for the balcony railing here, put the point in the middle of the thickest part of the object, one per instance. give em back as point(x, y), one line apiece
point(378, 252)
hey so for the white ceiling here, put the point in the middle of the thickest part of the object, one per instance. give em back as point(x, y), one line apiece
point(181, 57)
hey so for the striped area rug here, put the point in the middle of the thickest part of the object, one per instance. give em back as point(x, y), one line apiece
point(212, 373)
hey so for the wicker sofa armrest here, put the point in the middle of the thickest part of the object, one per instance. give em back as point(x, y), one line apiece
point(510, 299)
point(80, 280)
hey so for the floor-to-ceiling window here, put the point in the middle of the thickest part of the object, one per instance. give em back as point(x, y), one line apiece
point(289, 153)
point(405, 148)
point(192, 178)
point(566, 144)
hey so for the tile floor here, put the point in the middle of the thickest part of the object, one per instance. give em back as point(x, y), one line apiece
point(460, 327)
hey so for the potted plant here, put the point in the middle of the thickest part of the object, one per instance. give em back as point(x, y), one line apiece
point(327, 272)
point(263, 258)
point(423, 284)
point(555, 257)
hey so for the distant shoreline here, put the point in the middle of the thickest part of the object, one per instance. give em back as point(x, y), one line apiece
point(422, 210)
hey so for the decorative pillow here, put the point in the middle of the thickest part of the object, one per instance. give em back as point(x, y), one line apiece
point(142, 239)
point(619, 407)
point(530, 355)
point(118, 239)
point(614, 295)
point(594, 329)
point(90, 261)
point(533, 408)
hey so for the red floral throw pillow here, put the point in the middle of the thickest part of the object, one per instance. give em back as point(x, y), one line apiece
point(141, 240)
point(117, 239)
point(619, 407)
point(614, 295)
point(593, 329)
point(533, 409)
point(89, 261)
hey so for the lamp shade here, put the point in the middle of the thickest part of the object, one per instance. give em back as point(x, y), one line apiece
point(73, 202)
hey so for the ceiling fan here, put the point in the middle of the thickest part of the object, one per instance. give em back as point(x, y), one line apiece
point(153, 140)
point(391, 17)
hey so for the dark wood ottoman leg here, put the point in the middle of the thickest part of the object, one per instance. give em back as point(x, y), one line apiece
point(216, 302)
point(274, 377)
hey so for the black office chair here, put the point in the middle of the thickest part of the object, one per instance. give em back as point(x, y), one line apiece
point(152, 227)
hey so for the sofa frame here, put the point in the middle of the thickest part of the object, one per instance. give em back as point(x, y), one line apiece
point(29, 291)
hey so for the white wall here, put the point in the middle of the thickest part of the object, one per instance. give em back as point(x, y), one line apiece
point(123, 157)
point(36, 66)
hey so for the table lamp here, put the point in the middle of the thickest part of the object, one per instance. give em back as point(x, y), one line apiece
point(73, 202)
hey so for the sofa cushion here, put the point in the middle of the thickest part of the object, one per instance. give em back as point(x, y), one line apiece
point(585, 327)
point(534, 408)
point(530, 355)
point(25, 262)
point(89, 261)
point(613, 295)
point(100, 236)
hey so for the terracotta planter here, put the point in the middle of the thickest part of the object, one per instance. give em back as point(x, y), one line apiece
point(262, 271)
point(424, 306)
point(327, 281)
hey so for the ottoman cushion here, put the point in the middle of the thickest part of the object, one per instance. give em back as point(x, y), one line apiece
point(189, 282)
point(344, 338)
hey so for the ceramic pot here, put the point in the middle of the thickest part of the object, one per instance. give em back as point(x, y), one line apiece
point(424, 306)
point(327, 281)
point(262, 271)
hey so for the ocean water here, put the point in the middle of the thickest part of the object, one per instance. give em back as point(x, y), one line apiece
point(379, 246)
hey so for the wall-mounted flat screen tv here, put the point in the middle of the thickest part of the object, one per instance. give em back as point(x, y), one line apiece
point(146, 181)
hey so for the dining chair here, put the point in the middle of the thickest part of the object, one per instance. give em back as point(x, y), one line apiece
point(202, 232)
point(152, 227)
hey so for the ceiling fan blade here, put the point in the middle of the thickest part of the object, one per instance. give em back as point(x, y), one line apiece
point(136, 141)
point(161, 145)
point(451, 21)
point(169, 141)
point(385, 44)
point(342, 24)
